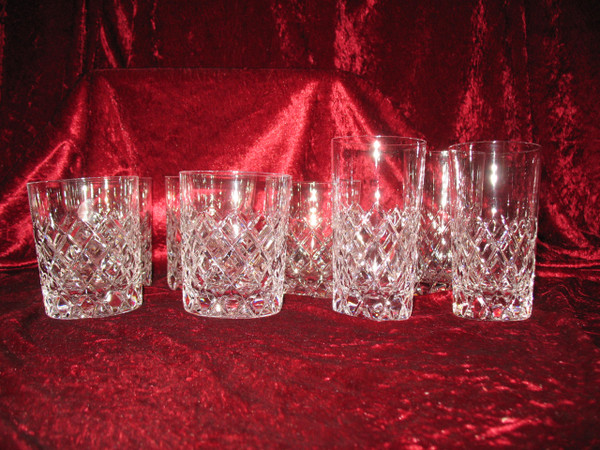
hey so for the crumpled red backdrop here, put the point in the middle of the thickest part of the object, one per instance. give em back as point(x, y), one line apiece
point(151, 88)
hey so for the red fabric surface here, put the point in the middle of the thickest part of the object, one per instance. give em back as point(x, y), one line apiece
point(302, 378)
point(444, 71)
point(156, 122)
point(454, 71)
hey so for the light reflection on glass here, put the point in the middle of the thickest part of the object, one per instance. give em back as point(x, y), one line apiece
point(494, 174)
point(235, 195)
point(376, 151)
point(445, 182)
point(313, 218)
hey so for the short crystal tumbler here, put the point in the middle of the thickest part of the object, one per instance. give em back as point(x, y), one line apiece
point(494, 228)
point(233, 228)
point(378, 184)
point(87, 238)
point(173, 232)
point(309, 240)
point(435, 253)
point(146, 228)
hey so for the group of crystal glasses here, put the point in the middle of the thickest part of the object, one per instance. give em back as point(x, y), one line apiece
point(394, 220)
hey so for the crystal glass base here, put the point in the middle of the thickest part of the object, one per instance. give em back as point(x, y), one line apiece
point(375, 307)
point(494, 306)
point(87, 306)
point(424, 287)
point(235, 306)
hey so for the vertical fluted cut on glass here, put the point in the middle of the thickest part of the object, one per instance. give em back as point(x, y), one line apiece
point(87, 238)
point(378, 182)
point(233, 229)
point(494, 229)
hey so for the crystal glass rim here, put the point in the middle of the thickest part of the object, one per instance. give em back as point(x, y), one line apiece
point(390, 141)
point(505, 147)
point(312, 183)
point(438, 151)
point(236, 174)
point(83, 180)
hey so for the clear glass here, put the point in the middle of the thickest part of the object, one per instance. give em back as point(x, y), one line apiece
point(146, 228)
point(309, 240)
point(173, 232)
point(87, 238)
point(435, 253)
point(494, 229)
point(233, 229)
point(376, 224)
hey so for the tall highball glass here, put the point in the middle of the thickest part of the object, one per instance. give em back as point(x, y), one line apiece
point(233, 228)
point(494, 228)
point(87, 237)
point(435, 253)
point(378, 182)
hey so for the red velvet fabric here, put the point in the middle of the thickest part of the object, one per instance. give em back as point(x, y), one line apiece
point(294, 74)
point(307, 377)
point(156, 122)
point(454, 71)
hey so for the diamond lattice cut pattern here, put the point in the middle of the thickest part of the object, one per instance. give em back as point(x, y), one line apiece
point(146, 248)
point(233, 266)
point(494, 262)
point(89, 268)
point(375, 262)
point(308, 269)
point(435, 252)
point(173, 249)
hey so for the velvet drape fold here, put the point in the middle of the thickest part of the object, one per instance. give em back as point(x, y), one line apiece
point(110, 87)
point(453, 71)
